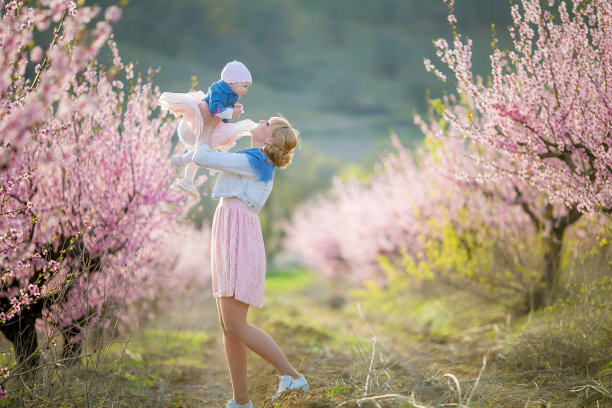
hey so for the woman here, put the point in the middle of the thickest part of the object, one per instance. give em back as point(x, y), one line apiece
point(238, 256)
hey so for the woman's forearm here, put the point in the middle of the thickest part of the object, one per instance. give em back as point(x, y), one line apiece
point(229, 162)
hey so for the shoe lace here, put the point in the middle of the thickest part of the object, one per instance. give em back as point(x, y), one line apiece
point(284, 383)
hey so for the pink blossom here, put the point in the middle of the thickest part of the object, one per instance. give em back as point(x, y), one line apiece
point(36, 54)
point(113, 13)
point(533, 107)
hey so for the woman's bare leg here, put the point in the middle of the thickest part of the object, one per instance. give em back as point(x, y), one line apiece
point(236, 355)
point(234, 314)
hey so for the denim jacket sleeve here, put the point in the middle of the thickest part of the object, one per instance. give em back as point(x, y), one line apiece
point(235, 163)
point(217, 99)
point(228, 113)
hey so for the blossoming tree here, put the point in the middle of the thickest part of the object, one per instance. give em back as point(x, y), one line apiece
point(86, 209)
point(358, 226)
point(24, 105)
point(544, 117)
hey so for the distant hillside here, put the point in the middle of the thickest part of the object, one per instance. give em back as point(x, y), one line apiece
point(338, 68)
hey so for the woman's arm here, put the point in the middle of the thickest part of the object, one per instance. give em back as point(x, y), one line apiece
point(229, 162)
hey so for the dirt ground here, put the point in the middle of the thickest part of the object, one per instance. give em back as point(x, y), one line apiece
point(309, 325)
point(354, 359)
point(376, 349)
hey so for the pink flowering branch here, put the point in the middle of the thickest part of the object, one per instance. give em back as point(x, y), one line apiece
point(23, 101)
point(548, 103)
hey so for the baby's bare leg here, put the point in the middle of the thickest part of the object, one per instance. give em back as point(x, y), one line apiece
point(190, 171)
point(209, 123)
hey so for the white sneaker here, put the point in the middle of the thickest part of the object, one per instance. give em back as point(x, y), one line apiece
point(233, 404)
point(188, 187)
point(179, 169)
point(288, 383)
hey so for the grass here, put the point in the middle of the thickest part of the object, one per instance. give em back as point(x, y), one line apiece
point(157, 351)
point(163, 342)
point(339, 388)
point(280, 281)
point(373, 349)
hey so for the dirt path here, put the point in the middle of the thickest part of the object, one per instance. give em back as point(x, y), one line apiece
point(325, 335)
point(307, 321)
point(206, 385)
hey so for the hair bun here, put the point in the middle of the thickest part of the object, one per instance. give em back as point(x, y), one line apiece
point(285, 140)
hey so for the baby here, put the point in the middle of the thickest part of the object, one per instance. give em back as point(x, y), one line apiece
point(205, 119)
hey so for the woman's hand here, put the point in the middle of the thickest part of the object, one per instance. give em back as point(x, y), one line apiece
point(203, 108)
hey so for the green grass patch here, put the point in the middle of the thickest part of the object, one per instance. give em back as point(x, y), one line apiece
point(161, 349)
point(173, 342)
point(279, 281)
point(399, 308)
point(339, 388)
point(606, 370)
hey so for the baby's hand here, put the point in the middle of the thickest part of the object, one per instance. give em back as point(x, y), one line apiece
point(237, 111)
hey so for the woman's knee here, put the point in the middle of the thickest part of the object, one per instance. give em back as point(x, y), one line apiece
point(234, 317)
point(222, 324)
point(234, 328)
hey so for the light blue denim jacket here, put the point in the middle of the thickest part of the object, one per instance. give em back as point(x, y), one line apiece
point(221, 99)
point(247, 175)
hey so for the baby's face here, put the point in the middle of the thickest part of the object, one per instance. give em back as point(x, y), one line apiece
point(240, 88)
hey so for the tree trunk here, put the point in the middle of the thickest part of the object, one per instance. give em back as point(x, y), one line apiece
point(71, 350)
point(546, 291)
point(22, 333)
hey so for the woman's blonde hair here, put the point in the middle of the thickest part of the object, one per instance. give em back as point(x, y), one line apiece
point(285, 140)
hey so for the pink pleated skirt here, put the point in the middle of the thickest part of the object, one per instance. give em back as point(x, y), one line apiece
point(238, 257)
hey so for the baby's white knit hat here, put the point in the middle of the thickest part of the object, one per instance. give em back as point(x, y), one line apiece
point(235, 71)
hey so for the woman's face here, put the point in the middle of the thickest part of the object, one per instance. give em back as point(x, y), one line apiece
point(262, 133)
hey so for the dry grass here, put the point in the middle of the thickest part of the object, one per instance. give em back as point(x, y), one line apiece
point(352, 356)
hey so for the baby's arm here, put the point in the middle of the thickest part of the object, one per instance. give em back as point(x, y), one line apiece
point(230, 112)
point(216, 105)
